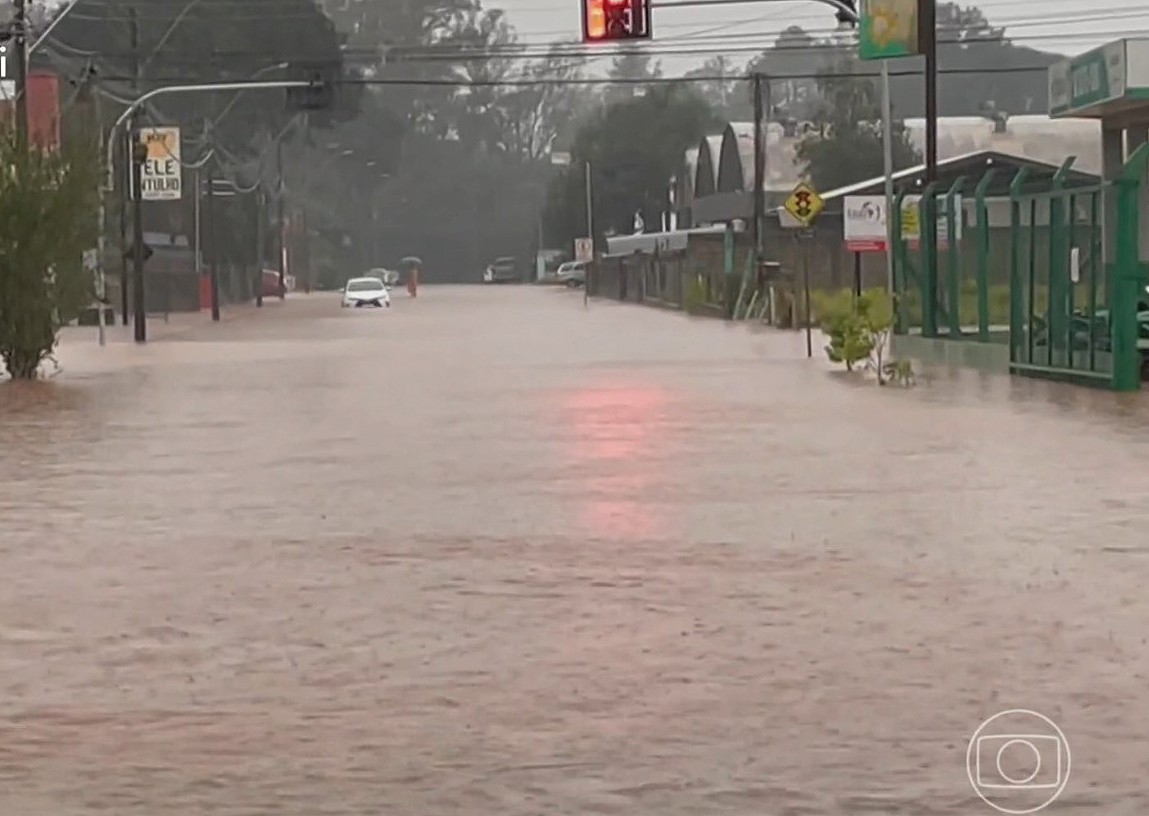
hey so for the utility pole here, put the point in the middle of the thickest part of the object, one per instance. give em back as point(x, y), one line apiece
point(928, 38)
point(279, 243)
point(20, 27)
point(589, 232)
point(759, 169)
point(214, 245)
point(134, 45)
point(259, 248)
point(138, 155)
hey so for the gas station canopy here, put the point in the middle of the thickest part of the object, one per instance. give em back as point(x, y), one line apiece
point(1110, 82)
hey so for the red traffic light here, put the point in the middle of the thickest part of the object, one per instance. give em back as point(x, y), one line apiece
point(614, 20)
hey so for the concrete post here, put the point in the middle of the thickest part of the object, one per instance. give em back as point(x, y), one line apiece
point(1134, 138)
point(1112, 160)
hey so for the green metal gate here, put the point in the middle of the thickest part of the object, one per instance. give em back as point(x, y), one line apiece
point(1072, 315)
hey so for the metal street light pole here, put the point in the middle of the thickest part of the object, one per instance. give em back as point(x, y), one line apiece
point(589, 232)
point(130, 112)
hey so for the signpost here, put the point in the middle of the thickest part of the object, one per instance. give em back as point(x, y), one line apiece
point(888, 29)
point(864, 223)
point(161, 178)
point(895, 29)
point(911, 221)
point(1089, 79)
point(804, 204)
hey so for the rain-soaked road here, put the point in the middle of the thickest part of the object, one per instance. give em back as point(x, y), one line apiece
point(488, 553)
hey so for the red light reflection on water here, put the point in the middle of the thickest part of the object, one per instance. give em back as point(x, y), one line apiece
point(615, 435)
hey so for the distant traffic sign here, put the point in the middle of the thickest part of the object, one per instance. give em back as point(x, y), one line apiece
point(584, 249)
point(804, 204)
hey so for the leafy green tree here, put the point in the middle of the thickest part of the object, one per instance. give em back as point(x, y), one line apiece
point(790, 67)
point(633, 66)
point(720, 80)
point(634, 147)
point(847, 147)
point(47, 220)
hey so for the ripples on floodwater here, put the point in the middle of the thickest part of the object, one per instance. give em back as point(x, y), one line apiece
point(492, 553)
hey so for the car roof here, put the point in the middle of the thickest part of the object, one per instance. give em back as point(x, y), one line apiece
point(367, 279)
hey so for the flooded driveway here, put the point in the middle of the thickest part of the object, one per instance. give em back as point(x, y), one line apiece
point(490, 553)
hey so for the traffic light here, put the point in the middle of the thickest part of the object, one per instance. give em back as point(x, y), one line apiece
point(850, 19)
point(614, 20)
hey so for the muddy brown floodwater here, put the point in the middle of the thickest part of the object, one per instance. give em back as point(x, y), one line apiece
point(490, 553)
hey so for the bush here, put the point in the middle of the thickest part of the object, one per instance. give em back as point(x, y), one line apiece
point(859, 330)
point(47, 219)
point(695, 299)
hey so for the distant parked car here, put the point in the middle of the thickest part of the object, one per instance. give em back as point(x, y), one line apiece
point(572, 273)
point(270, 283)
point(503, 270)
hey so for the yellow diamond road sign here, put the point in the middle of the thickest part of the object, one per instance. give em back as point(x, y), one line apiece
point(804, 204)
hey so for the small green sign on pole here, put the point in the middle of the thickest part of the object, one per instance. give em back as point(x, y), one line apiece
point(888, 29)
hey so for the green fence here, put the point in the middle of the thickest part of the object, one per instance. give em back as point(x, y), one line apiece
point(1039, 282)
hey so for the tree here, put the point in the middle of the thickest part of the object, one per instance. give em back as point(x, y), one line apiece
point(535, 117)
point(722, 86)
point(178, 42)
point(790, 67)
point(47, 206)
point(631, 66)
point(847, 146)
point(634, 148)
point(138, 45)
point(966, 24)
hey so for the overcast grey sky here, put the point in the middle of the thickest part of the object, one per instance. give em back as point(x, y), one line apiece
point(1065, 26)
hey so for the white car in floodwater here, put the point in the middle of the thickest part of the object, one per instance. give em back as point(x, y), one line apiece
point(366, 292)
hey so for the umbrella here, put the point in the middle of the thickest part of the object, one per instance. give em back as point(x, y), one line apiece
point(411, 260)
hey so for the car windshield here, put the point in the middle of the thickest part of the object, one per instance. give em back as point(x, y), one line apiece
point(364, 285)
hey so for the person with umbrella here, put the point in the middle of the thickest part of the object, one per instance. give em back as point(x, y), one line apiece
point(412, 265)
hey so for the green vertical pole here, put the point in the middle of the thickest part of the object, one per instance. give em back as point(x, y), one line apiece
point(1057, 322)
point(728, 251)
point(953, 254)
point(928, 241)
point(1016, 325)
point(1127, 274)
point(1070, 243)
point(1032, 299)
point(983, 248)
point(1094, 264)
point(899, 252)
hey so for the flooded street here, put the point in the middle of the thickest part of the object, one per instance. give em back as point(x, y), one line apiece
point(490, 553)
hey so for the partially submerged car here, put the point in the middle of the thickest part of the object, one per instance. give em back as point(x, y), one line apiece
point(366, 292)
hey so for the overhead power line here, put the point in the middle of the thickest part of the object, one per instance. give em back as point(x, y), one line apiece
point(184, 57)
point(591, 81)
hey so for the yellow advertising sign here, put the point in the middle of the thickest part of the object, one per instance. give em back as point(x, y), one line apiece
point(911, 228)
point(162, 175)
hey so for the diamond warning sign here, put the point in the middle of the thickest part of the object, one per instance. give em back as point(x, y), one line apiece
point(804, 204)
